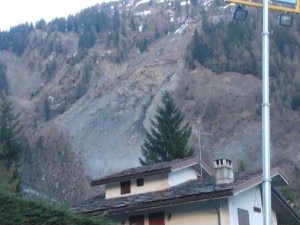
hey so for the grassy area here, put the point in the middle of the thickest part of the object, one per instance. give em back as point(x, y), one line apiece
point(16, 210)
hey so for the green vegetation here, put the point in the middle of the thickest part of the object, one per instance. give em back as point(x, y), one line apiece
point(12, 143)
point(225, 46)
point(26, 211)
point(3, 79)
point(236, 47)
point(167, 139)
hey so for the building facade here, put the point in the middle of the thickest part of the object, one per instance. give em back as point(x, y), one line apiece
point(188, 192)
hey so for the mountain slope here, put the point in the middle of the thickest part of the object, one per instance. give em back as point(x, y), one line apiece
point(92, 106)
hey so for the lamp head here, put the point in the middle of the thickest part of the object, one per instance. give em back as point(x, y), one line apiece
point(285, 20)
point(240, 14)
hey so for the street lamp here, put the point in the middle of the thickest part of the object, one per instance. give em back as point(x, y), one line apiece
point(285, 19)
point(240, 13)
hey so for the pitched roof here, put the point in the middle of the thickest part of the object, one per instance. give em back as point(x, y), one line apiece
point(249, 180)
point(200, 189)
point(159, 168)
point(194, 190)
point(286, 214)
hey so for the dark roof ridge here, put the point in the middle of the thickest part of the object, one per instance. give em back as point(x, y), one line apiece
point(141, 171)
point(193, 190)
point(246, 180)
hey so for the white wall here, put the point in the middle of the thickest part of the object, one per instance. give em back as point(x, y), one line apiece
point(151, 183)
point(274, 218)
point(189, 214)
point(182, 175)
point(246, 201)
point(112, 190)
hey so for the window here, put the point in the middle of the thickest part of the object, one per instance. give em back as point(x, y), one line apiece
point(157, 218)
point(243, 217)
point(140, 182)
point(136, 220)
point(125, 187)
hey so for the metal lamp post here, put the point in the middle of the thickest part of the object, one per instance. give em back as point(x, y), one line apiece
point(266, 119)
point(285, 20)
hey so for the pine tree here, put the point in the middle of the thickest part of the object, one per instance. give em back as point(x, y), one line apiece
point(10, 130)
point(167, 139)
point(11, 144)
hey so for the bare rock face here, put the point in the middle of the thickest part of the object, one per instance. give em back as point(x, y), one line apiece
point(106, 126)
point(104, 119)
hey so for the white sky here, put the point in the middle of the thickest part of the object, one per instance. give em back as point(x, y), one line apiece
point(14, 12)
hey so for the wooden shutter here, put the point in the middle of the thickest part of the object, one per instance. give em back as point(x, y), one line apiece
point(125, 187)
point(157, 218)
point(140, 182)
point(136, 220)
point(243, 217)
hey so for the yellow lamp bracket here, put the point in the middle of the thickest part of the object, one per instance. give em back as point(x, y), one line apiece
point(290, 6)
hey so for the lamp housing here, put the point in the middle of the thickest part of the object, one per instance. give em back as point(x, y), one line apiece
point(240, 13)
point(285, 20)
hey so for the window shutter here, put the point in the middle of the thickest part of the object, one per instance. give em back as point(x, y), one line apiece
point(125, 187)
point(243, 216)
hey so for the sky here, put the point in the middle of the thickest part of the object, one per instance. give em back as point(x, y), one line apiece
point(14, 12)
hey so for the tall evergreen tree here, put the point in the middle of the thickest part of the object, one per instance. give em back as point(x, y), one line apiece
point(11, 143)
point(167, 139)
point(116, 20)
point(3, 79)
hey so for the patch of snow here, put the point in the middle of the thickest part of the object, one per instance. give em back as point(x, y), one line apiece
point(140, 28)
point(129, 5)
point(141, 2)
point(180, 29)
point(208, 3)
point(44, 35)
point(226, 6)
point(145, 13)
point(180, 20)
point(171, 13)
point(51, 99)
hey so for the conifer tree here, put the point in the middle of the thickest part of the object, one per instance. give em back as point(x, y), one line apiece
point(11, 144)
point(167, 139)
point(10, 129)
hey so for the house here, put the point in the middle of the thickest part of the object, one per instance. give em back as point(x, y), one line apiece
point(188, 192)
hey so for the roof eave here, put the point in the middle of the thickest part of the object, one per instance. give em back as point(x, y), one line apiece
point(130, 176)
point(160, 203)
point(287, 206)
point(276, 173)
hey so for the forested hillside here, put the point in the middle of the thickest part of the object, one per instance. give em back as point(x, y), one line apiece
point(86, 86)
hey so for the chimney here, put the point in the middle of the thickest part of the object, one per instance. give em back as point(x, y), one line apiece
point(224, 171)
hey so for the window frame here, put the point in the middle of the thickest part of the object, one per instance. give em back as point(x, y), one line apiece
point(243, 217)
point(140, 182)
point(125, 187)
